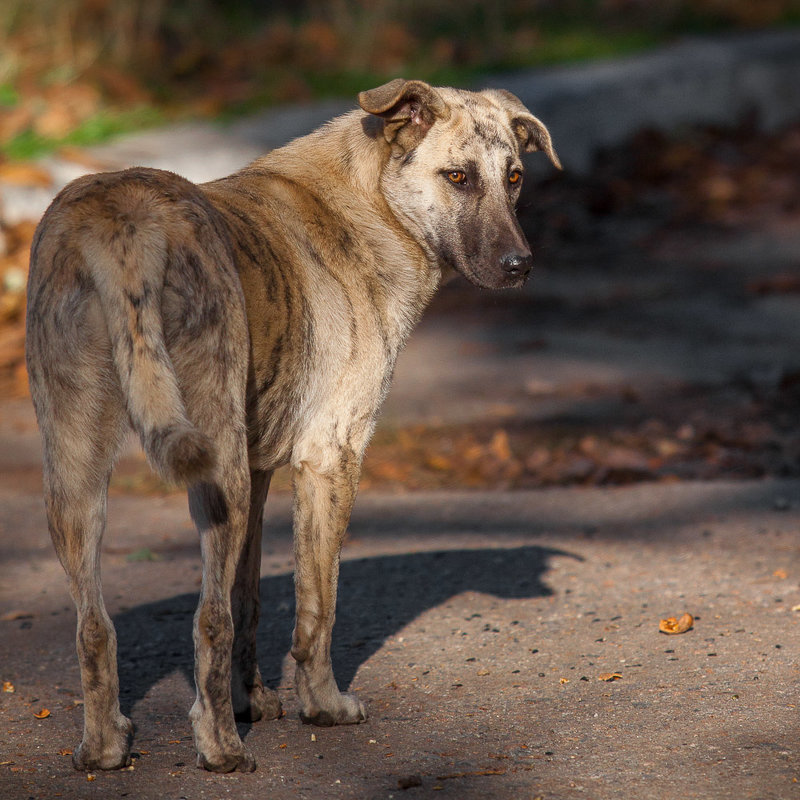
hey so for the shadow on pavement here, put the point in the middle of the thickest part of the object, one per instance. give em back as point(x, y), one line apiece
point(377, 597)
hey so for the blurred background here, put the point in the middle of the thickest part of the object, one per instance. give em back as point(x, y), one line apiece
point(668, 273)
point(78, 70)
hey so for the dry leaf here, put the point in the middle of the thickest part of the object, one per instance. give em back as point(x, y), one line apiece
point(65, 752)
point(780, 574)
point(8, 687)
point(439, 463)
point(483, 672)
point(19, 174)
point(91, 777)
point(16, 613)
point(563, 680)
point(610, 676)
point(43, 714)
point(673, 625)
point(499, 446)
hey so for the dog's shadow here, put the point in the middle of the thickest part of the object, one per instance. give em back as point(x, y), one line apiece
point(377, 597)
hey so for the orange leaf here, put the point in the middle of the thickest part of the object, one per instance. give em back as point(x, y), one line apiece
point(673, 625)
point(610, 676)
point(43, 714)
point(25, 175)
point(8, 687)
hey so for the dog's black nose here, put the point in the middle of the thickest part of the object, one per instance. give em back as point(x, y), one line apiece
point(517, 265)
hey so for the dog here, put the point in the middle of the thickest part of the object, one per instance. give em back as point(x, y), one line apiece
point(244, 324)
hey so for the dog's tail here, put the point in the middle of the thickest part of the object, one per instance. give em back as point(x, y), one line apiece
point(128, 270)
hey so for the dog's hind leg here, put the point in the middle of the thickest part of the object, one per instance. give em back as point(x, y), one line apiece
point(219, 509)
point(251, 700)
point(81, 416)
point(323, 501)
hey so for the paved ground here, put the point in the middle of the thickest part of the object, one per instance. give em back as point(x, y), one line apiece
point(476, 625)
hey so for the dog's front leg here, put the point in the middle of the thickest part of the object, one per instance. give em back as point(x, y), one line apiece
point(323, 501)
point(252, 701)
point(219, 510)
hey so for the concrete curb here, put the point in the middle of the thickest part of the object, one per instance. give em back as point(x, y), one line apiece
point(696, 81)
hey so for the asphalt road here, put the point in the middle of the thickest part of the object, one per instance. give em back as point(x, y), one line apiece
point(476, 625)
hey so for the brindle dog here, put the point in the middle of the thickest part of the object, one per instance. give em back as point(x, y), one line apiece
point(244, 324)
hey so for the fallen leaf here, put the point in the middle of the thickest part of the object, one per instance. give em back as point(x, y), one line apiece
point(782, 283)
point(19, 174)
point(610, 676)
point(8, 687)
point(15, 614)
point(780, 574)
point(43, 714)
point(673, 625)
point(483, 672)
point(439, 463)
point(499, 446)
point(91, 777)
point(65, 751)
point(563, 680)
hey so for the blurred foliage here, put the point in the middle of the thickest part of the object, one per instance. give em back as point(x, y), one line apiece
point(63, 63)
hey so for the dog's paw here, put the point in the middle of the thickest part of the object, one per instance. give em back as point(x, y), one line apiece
point(240, 761)
point(87, 761)
point(262, 704)
point(349, 710)
point(111, 751)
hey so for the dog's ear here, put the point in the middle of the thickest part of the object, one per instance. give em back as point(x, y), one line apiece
point(530, 131)
point(407, 108)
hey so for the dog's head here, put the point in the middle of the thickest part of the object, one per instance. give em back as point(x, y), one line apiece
point(455, 172)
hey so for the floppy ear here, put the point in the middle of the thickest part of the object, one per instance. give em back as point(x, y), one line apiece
point(530, 131)
point(408, 109)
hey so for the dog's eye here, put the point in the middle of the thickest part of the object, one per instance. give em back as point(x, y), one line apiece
point(457, 176)
point(514, 177)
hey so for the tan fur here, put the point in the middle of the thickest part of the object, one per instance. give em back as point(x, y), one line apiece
point(241, 325)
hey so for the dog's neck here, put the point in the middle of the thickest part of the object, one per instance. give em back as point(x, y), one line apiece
point(339, 155)
point(346, 159)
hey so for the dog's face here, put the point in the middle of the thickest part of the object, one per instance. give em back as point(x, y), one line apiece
point(455, 174)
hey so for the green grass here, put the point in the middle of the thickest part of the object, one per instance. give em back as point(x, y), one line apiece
point(99, 128)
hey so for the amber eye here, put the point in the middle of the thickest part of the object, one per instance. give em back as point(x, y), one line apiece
point(457, 176)
point(514, 177)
